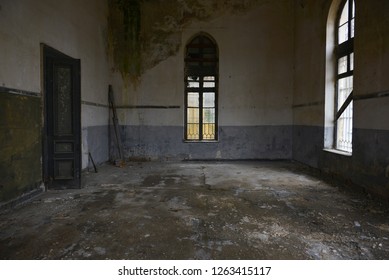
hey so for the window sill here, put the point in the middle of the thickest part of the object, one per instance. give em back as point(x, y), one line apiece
point(339, 152)
point(201, 141)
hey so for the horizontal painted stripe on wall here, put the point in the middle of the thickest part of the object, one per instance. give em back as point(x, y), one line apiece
point(131, 106)
point(317, 103)
point(372, 95)
point(148, 107)
point(19, 92)
point(94, 104)
point(380, 94)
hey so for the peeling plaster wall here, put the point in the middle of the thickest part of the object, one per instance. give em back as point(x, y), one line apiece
point(369, 164)
point(76, 28)
point(255, 90)
point(272, 74)
point(143, 33)
point(20, 138)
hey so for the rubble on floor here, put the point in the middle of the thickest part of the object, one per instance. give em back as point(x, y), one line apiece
point(198, 210)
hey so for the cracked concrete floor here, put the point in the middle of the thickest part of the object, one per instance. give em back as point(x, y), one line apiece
point(198, 210)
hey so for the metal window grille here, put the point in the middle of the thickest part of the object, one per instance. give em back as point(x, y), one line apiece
point(345, 71)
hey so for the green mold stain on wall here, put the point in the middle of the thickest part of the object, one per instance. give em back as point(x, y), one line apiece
point(21, 146)
point(142, 33)
point(124, 36)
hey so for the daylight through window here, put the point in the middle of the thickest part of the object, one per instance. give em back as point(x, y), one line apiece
point(201, 77)
point(345, 70)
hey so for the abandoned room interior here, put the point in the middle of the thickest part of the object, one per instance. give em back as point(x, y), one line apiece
point(191, 129)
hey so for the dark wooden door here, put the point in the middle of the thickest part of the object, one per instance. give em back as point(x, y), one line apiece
point(62, 158)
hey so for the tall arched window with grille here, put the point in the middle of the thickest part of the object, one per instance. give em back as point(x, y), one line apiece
point(344, 77)
point(201, 89)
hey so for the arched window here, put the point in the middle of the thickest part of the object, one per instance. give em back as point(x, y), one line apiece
point(340, 73)
point(345, 69)
point(201, 84)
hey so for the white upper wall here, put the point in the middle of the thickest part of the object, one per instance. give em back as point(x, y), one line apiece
point(255, 72)
point(271, 58)
point(371, 63)
point(76, 28)
point(255, 64)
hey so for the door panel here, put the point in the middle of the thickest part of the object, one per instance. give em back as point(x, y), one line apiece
point(62, 158)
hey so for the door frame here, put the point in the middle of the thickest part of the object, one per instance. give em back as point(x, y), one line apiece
point(49, 54)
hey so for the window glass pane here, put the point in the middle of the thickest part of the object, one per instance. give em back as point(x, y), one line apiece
point(208, 115)
point(352, 28)
point(353, 11)
point(344, 15)
point(193, 64)
point(209, 64)
point(209, 84)
point(64, 123)
point(344, 131)
point(209, 50)
point(342, 65)
point(209, 131)
point(201, 63)
point(345, 86)
point(193, 132)
point(209, 56)
point(193, 50)
point(193, 78)
point(193, 115)
point(206, 41)
point(193, 84)
point(343, 33)
point(209, 99)
point(193, 99)
point(345, 122)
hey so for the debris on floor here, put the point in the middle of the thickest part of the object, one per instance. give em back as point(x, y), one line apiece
point(198, 210)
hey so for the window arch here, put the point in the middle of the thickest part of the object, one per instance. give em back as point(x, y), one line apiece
point(340, 71)
point(201, 84)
